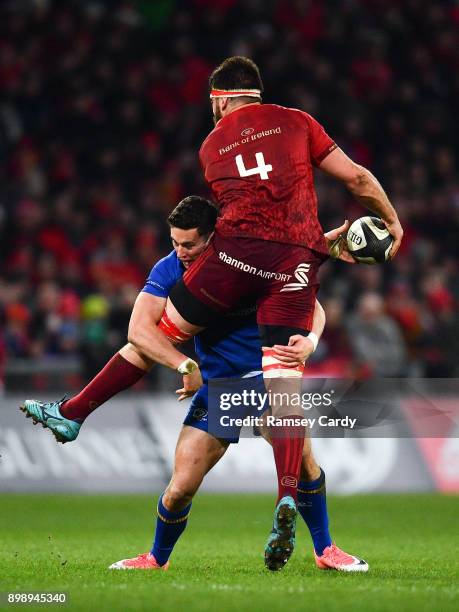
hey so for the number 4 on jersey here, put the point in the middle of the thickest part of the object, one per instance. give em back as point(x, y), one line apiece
point(261, 168)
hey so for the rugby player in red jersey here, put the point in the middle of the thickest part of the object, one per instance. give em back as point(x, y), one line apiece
point(268, 246)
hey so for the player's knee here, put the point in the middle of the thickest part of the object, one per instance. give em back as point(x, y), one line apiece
point(178, 495)
point(135, 356)
point(310, 469)
point(133, 338)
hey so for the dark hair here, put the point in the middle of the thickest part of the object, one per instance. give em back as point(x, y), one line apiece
point(194, 212)
point(236, 73)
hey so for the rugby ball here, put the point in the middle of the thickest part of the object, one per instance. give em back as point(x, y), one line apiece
point(369, 241)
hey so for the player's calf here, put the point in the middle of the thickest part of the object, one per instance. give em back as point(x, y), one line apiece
point(177, 496)
point(283, 382)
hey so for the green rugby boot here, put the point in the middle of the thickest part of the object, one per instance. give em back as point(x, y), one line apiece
point(48, 414)
point(281, 540)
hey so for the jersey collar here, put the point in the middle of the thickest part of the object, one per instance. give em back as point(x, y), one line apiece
point(239, 108)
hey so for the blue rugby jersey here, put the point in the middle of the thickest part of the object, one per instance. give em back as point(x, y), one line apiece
point(231, 349)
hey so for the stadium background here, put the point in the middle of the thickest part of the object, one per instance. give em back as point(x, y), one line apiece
point(103, 107)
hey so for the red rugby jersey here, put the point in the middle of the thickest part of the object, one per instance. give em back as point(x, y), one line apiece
point(258, 162)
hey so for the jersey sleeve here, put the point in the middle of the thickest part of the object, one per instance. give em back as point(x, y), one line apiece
point(320, 143)
point(161, 279)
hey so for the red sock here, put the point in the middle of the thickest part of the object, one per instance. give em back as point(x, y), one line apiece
point(117, 375)
point(288, 444)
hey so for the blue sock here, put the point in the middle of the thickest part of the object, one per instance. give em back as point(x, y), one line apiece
point(169, 527)
point(312, 505)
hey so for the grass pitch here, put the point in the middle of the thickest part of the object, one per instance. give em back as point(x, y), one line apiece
point(65, 543)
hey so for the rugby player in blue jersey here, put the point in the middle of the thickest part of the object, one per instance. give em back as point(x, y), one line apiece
point(232, 349)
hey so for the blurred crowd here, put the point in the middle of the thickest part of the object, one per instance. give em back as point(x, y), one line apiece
point(103, 108)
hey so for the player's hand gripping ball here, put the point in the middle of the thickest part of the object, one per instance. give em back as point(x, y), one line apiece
point(369, 241)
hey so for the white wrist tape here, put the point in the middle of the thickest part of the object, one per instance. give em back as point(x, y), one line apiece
point(314, 339)
point(187, 366)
